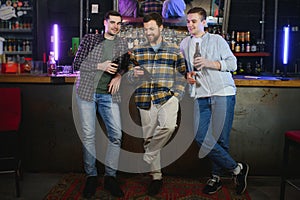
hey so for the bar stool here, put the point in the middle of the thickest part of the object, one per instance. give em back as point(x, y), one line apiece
point(291, 138)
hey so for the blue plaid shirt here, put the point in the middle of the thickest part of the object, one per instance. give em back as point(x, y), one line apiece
point(166, 68)
point(151, 6)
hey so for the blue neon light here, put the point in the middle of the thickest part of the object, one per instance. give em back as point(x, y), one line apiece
point(56, 39)
point(286, 31)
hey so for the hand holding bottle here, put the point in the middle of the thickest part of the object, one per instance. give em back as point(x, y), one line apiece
point(139, 70)
point(108, 67)
point(201, 62)
point(190, 77)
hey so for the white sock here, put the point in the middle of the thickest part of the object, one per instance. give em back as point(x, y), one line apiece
point(216, 177)
point(238, 169)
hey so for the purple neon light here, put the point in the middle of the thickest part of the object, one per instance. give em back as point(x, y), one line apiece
point(56, 39)
point(286, 31)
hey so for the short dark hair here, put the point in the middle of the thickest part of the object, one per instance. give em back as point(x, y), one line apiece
point(201, 11)
point(112, 13)
point(153, 16)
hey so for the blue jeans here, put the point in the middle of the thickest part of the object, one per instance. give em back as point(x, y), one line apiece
point(110, 115)
point(213, 122)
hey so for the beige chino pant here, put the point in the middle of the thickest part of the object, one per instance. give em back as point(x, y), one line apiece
point(158, 124)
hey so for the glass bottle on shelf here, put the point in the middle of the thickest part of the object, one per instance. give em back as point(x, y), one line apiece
point(240, 68)
point(247, 39)
point(130, 43)
point(257, 69)
point(248, 68)
point(253, 47)
point(237, 46)
point(136, 39)
point(242, 42)
point(51, 65)
point(28, 65)
point(233, 42)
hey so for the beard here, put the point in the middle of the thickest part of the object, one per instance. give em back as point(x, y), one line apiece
point(152, 38)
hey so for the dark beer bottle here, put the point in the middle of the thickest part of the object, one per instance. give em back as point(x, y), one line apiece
point(197, 54)
point(136, 63)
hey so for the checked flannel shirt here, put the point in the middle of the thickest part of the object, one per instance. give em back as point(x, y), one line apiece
point(167, 70)
point(151, 6)
point(86, 60)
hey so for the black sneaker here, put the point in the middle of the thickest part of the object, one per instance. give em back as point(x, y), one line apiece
point(90, 187)
point(241, 179)
point(155, 187)
point(212, 186)
point(111, 184)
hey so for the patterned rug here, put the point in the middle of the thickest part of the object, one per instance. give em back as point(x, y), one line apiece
point(135, 187)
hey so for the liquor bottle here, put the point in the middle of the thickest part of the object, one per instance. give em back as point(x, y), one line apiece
point(51, 65)
point(196, 55)
point(247, 39)
point(243, 48)
point(242, 42)
point(237, 46)
point(233, 42)
point(253, 47)
point(130, 43)
point(248, 69)
point(4, 46)
point(9, 45)
point(240, 69)
point(257, 69)
point(136, 39)
point(28, 65)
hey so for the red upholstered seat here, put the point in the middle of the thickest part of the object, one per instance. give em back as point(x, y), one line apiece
point(293, 135)
point(10, 109)
point(292, 138)
point(10, 118)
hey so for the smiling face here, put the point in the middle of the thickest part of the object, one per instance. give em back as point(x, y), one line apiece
point(195, 24)
point(153, 32)
point(112, 25)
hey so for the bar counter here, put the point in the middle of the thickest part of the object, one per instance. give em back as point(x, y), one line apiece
point(240, 80)
point(266, 107)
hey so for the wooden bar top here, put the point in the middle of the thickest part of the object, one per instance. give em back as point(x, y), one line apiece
point(266, 81)
point(24, 78)
point(240, 80)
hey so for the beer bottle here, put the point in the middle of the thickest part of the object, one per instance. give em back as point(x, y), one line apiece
point(233, 42)
point(197, 54)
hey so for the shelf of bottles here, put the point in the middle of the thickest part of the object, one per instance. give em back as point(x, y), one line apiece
point(135, 35)
point(16, 27)
point(241, 42)
point(14, 46)
point(249, 52)
point(174, 29)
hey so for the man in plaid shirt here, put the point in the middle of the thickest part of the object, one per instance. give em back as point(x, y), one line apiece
point(160, 82)
point(98, 82)
point(149, 6)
